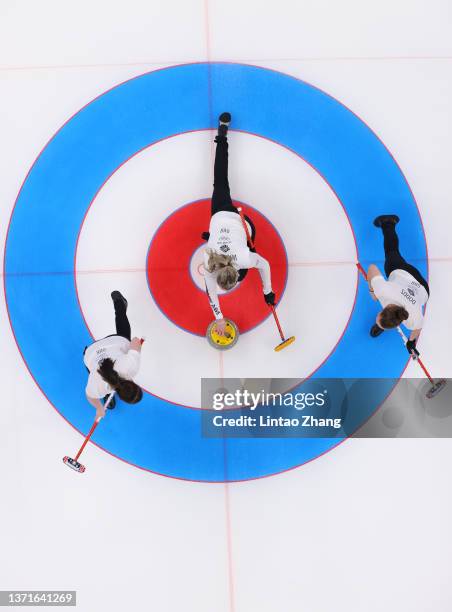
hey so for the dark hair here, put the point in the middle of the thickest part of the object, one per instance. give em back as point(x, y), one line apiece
point(127, 390)
point(392, 315)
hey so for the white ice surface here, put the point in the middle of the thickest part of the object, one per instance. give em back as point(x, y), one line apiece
point(366, 527)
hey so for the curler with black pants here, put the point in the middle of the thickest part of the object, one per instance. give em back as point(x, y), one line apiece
point(113, 362)
point(229, 255)
point(404, 293)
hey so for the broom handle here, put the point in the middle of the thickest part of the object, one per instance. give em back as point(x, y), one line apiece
point(361, 269)
point(248, 237)
point(91, 431)
point(425, 370)
point(415, 357)
point(242, 217)
point(404, 338)
point(94, 425)
point(277, 322)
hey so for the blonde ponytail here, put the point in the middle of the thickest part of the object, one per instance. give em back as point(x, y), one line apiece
point(217, 261)
point(227, 274)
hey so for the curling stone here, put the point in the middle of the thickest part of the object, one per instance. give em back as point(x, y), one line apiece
point(223, 343)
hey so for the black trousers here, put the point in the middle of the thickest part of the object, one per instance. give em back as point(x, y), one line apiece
point(393, 258)
point(221, 197)
point(121, 322)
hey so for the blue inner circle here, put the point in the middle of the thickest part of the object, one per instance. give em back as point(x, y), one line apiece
point(41, 242)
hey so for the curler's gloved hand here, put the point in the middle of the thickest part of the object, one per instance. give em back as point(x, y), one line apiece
point(411, 348)
point(270, 298)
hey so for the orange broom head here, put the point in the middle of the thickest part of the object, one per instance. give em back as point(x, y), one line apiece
point(282, 345)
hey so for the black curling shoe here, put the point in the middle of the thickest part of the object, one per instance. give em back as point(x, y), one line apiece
point(225, 118)
point(116, 296)
point(379, 221)
point(376, 331)
point(223, 124)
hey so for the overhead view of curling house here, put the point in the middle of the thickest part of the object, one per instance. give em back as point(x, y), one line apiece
point(227, 279)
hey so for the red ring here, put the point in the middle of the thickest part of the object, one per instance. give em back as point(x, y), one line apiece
point(175, 293)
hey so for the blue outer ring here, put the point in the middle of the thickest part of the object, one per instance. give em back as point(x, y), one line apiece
point(39, 277)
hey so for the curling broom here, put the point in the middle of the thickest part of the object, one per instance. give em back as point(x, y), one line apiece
point(285, 341)
point(437, 386)
point(74, 463)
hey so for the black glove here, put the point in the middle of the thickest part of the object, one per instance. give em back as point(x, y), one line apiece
point(205, 236)
point(411, 347)
point(270, 298)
